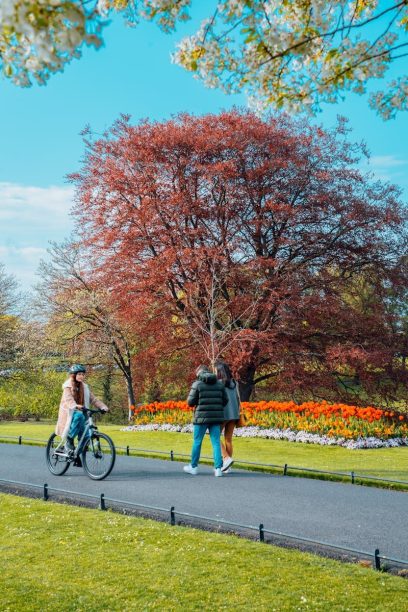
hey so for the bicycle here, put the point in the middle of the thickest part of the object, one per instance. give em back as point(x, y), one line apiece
point(96, 450)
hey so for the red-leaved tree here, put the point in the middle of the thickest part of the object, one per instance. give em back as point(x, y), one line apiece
point(249, 234)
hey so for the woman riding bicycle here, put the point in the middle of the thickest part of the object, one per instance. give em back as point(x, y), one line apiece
point(76, 395)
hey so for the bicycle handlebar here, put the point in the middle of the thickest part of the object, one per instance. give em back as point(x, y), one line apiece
point(92, 410)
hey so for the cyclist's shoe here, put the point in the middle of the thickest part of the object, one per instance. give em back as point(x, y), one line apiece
point(77, 462)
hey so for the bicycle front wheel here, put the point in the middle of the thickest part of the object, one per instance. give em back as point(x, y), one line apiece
point(98, 457)
point(57, 460)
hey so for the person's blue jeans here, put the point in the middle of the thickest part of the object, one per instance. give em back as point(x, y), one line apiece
point(215, 434)
point(77, 425)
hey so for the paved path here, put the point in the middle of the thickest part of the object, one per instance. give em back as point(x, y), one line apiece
point(352, 516)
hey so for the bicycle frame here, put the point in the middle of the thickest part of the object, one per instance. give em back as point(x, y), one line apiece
point(90, 427)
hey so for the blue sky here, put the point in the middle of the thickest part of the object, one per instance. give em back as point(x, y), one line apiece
point(131, 74)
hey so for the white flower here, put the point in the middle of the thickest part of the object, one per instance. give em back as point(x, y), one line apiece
point(304, 437)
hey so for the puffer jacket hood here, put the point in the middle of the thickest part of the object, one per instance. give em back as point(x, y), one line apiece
point(208, 397)
point(208, 377)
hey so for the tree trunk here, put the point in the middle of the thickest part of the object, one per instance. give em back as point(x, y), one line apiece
point(125, 366)
point(246, 384)
point(130, 393)
point(107, 386)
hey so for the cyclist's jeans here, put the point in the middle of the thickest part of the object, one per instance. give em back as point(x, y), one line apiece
point(199, 433)
point(77, 425)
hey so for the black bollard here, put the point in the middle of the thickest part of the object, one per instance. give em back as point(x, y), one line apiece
point(377, 561)
point(102, 505)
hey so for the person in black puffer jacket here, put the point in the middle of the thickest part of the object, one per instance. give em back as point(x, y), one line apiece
point(208, 397)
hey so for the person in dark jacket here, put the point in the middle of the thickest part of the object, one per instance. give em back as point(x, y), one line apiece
point(208, 397)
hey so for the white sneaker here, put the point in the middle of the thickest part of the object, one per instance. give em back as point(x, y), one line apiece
point(227, 464)
point(217, 472)
point(227, 471)
point(190, 470)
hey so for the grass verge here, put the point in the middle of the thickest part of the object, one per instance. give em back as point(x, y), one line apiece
point(68, 558)
point(388, 463)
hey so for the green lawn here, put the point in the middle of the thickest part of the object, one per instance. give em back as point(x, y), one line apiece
point(57, 557)
point(390, 463)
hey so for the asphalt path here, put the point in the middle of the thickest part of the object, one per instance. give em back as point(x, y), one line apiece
point(363, 518)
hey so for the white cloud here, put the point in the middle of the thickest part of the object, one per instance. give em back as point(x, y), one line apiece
point(22, 253)
point(388, 168)
point(22, 262)
point(31, 217)
point(387, 161)
point(30, 252)
point(43, 206)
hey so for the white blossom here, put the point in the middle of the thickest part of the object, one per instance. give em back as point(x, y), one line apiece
point(37, 38)
point(289, 435)
point(289, 55)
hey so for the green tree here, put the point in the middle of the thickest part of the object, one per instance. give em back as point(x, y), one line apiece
point(83, 314)
point(34, 394)
point(9, 321)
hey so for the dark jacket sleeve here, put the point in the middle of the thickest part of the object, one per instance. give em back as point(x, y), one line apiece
point(192, 399)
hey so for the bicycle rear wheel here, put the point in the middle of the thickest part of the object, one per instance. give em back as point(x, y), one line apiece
point(98, 457)
point(57, 461)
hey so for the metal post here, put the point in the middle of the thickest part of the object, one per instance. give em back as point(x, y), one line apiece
point(127, 451)
point(19, 439)
point(102, 505)
point(377, 561)
point(352, 477)
point(172, 516)
point(45, 495)
point(261, 533)
point(171, 455)
point(285, 469)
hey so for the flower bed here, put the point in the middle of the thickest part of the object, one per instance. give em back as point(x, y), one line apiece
point(285, 434)
point(311, 422)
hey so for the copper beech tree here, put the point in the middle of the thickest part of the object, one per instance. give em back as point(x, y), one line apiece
point(278, 212)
